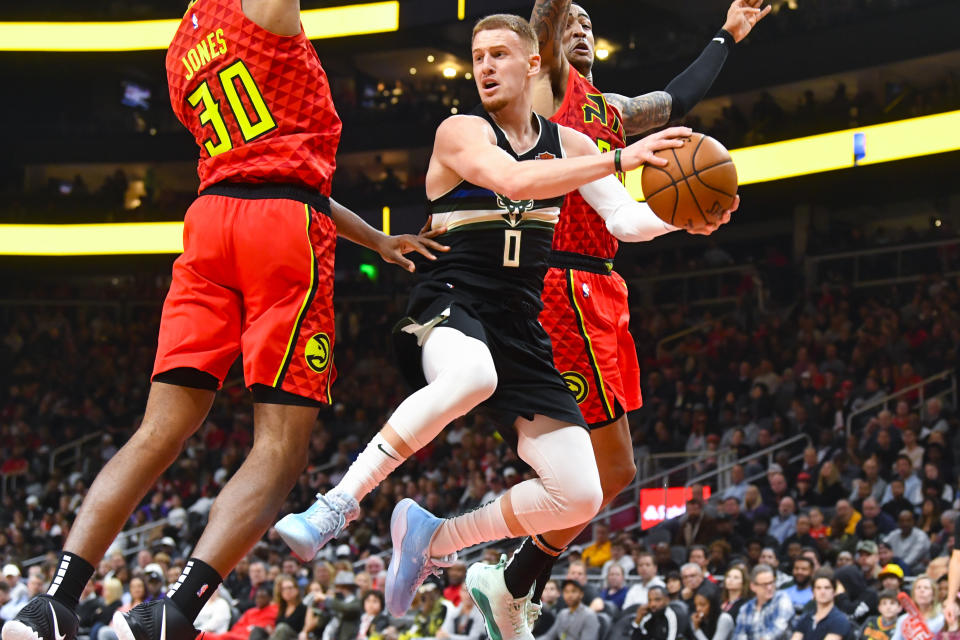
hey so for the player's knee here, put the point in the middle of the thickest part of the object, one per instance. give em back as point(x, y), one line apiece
point(479, 377)
point(582, 499)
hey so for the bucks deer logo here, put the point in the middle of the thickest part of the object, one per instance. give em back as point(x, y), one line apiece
point(514, 208)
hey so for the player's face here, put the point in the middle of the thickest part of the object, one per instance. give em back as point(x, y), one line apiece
point(501, 65)
point(578, 43)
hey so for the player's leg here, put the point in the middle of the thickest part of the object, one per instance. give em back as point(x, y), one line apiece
point(554, 500)
point(460, 375)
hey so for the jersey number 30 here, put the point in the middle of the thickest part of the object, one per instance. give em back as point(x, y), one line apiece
point(250, 128)
point(511, 248)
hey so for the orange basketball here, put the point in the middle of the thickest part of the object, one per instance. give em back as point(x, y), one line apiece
point(697, 185)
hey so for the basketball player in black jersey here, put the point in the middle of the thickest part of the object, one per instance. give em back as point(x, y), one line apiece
point(495, 181)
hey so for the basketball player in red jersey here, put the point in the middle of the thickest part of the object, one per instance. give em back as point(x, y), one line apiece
point(256, 277)
point(585, 302)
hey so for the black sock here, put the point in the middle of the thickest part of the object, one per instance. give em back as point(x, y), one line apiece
point(194, 587)
point(542, 581)
point(73, 573)
point(526, 565)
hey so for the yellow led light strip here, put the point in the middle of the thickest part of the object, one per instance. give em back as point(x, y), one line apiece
point(898, 140)
point(882, 143)
point(333, 22)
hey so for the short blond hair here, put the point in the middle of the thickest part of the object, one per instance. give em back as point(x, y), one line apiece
point(510, 22)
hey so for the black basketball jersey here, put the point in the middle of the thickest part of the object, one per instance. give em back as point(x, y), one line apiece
point(498, 246)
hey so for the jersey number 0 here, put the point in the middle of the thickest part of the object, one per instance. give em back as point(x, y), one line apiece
point(511, 248)
point(250, 128)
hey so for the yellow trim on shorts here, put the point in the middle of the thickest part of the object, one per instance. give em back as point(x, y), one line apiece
point(581, 325)
point(303, 308)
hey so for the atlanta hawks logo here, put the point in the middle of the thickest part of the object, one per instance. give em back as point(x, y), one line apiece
point(577, 384)
point(317, 353)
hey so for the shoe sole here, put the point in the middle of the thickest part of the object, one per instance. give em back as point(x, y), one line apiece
point(305, 553)
point(16, 630)
point(398, 531)
point(120, 626)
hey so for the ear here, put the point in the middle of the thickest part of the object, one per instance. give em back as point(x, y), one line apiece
point(534, 64)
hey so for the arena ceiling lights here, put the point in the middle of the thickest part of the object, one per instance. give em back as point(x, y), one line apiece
point(332, 22)
point(899, 140)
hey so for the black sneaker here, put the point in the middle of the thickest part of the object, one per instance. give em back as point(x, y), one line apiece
point(43, 618)
point(157, 620)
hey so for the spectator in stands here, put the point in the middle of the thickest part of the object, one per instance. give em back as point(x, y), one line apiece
point(891, 577)
point(868, 559)
point(826, 622)
point(829, 487)
point(872, 511)
point(378, 573)
point(467, 624)
point(753, 504)
point(695, 527)
point(291, 612)
point(719, 557)
point(597, 553)
point(804, 494)
point(738, 485)
point(784, 523)
point(577, 570)
point(855, 599)
point(870, 472)
point(215, 615)
point(455, 575)
point(882, 626)
point(615, 590)
point(912, 487)
point(761, 532)
point(925, 596)
point(741, 525)
point(110, 602)
point(802, 534)
point(647, 570)
point(767, 615)
point(657, 621)
point(262, 615)
point(619, 557)
point(709, 621)
point(432, 611)
point(257, 575)
point(694, 582)
point(800, 590)
point(897, 502)
point(768, 556)
point(733, 595)
point(4, 598)
point(951, 626)
point(908, 542)
point(576, 621)
point(777, 488)
point(818, 527)
point(18, 586)
point(664, 559)
point(845, 520)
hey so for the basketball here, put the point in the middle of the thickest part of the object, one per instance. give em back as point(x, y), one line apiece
point(697, 185)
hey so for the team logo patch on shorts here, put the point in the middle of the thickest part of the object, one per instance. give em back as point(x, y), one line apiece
point(577, 385)
point(317, 352)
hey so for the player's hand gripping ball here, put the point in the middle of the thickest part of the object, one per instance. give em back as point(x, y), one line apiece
point(695, 188)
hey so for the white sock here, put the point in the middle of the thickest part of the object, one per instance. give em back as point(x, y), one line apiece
point(373, 464)
point(480, 525)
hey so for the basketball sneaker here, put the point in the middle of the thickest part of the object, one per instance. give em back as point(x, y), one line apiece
point(506, 617)
point(306, 533)
point(43, 618)
point(534, 609)
point(411, 528)
point(157, 620)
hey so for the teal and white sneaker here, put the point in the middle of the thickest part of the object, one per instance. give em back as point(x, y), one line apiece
point(506, 617)
point(308, 532)
point(534, 610)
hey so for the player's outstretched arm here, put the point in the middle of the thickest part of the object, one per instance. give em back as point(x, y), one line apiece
point(626, 219)
point(466, 146)
point(549, 19)
point(391, 248)
point(276, 16)
point(655, 109)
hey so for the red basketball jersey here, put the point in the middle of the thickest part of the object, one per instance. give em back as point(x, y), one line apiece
point(257, 103)
point(580, 229)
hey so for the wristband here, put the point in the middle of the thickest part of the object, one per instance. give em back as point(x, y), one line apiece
point(616, 161)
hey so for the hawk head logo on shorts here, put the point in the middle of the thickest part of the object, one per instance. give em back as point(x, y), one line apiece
point(577, 384)
point(514, 208)
point(317, 352)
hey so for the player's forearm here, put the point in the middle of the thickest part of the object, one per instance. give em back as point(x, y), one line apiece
point(540, 179)
point(626, 219)
point(548, 19)
point(353, 227)
point(688, 88)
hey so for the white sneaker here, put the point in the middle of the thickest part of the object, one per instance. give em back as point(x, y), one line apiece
point(533, 613)
point(306, 533)
point(504, 615)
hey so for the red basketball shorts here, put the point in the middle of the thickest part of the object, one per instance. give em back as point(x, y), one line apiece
point(255, 277)
point(587, 317)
